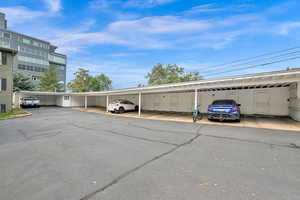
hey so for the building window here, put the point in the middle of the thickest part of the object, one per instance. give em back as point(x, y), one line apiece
point(26, 41)
point(3, 84)
point(33, 60)
point(23, 67)
point(35, 78)
point(66, 98)
point(3, 108)
point(6, 35)
point(31, 68)
point(3, 58)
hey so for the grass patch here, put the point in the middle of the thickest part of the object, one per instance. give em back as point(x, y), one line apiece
point(12, 113)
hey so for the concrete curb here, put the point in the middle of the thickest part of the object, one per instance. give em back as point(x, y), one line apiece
point(18, 116)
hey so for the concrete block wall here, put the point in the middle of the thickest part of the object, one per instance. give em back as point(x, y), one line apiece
point(46, 100)
point(59, 101)
point(76, 101)
point(100, 101)
point(294, 106)
point(91, 101)
point(175, 102)
point(264, 101)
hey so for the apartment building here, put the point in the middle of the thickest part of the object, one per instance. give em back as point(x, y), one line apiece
point(34, 55)
point(6, 78)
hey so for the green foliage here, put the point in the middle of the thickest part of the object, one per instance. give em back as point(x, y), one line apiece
point(22, 82)
point(49, 81)
point(100, 83)
point(170, 74)
point(11, 113)
point(83, 82)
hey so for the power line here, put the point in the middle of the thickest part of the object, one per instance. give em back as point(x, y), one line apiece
point(254, 57)
point(253, 66)
point(257, 60)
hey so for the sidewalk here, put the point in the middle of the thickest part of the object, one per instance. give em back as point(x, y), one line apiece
point(277, 123)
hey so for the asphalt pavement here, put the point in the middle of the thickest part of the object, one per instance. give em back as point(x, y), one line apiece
point(65, 154)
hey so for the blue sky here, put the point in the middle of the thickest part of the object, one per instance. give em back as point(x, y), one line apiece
point(125, 38)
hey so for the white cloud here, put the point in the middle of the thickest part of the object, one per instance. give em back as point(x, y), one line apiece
point(124, 54)
point(285, 28)
point(146, 3)
point(205, 8)
point(101, 4)
point(20, 14)
point(158, 32)
point(159, 25)
point(53, 5)
point(72, 42)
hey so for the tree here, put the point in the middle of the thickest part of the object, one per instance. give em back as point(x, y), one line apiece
point(49, 81)
point(22, 82)
point(83, 82)
point(170, 74)
point(100, 83)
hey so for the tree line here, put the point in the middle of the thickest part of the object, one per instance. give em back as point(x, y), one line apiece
point(84, 82)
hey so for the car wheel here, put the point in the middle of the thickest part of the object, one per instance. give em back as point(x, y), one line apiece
point(194, 119)
point(121, 110)
point(136, 108)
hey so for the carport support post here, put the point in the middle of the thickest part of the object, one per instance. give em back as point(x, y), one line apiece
point(19, 103)
point(85, 102)
point(298, 90)
point(196, 98)
point(107, 102)
point(140, 103)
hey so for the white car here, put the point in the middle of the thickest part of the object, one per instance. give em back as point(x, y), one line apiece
point(122, 105)
point(30, 102)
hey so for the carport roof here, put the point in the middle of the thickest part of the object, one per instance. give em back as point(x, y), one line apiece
point(268, 79)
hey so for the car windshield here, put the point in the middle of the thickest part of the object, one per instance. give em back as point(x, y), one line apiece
point(30, 98)
point(224, 102)
point(126, 102)
point(116, 101)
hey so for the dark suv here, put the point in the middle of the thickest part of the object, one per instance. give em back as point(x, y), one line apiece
point(224, 109)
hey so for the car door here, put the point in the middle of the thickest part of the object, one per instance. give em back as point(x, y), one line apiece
point(130, 106)
point(125, 105)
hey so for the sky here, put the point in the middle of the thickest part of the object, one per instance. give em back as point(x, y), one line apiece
point(125, 38)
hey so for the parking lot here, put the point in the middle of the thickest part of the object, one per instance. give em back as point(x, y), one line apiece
point(60, 153)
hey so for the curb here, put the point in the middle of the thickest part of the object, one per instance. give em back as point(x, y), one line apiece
point(18, 116)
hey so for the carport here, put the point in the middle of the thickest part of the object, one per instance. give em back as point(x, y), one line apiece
point(273, 93)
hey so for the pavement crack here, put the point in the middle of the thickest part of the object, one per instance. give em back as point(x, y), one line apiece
point(23, 134)
point(293, 145)
point(127, 173)
point(272, 145)
point(43, 135)
point(160, 130)
point(129, 136)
